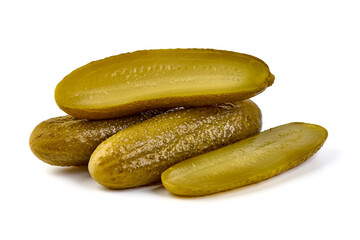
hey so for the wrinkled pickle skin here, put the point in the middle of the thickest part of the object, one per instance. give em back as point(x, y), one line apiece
point(246, 162)
point(139, 154)
point(160, 79)
point(68, 141)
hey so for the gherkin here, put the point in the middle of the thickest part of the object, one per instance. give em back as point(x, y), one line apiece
point(156, 79)
point(68, 141)
point(139, 154)
point(246, 162)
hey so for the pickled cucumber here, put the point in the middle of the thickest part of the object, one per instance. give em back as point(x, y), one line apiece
point(248, 161)
point(164, 78)
point(139, 154)
point(67, 141)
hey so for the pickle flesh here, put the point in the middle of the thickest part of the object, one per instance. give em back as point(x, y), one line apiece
point(68, 141)
point(139, 154)
point(164, 78)
point(246, 162)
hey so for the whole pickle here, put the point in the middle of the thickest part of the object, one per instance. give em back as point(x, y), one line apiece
point(139, 154)
point(248, 161)
point(156, 79)
point(68, 141)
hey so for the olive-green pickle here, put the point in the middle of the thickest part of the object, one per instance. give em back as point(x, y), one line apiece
point(139, 154)
point(179, 116)
point(68, 141)
point(246, 162)
point(157, 79)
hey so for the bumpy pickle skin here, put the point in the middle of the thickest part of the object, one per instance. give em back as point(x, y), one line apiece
point(68, 141)
point(246, 162)
point(139, 154)
point(156, 79)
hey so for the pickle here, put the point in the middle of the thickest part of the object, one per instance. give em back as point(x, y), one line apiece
point(139, 154)
point(246, 162)
point(67, 141)
point(156, 79)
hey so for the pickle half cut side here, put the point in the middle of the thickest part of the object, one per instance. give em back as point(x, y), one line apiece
point(160, 79)
point(246, 162)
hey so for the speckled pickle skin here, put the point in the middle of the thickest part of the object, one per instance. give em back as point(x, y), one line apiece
point(139, 154)
point(68, 141)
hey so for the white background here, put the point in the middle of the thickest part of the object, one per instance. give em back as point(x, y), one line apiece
point(312, 47)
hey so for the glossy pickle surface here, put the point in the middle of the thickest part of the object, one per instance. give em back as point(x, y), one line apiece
point(68, 141)
point(139, 154)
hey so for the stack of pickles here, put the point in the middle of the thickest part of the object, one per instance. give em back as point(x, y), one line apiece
point(180, 116)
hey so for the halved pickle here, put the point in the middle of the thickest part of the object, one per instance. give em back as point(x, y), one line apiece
point(246, 162)
point(156, 79)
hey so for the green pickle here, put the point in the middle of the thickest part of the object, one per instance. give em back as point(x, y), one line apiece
point(68, 141)
point(139, 154)
point(246, 162)
point(156, 79)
